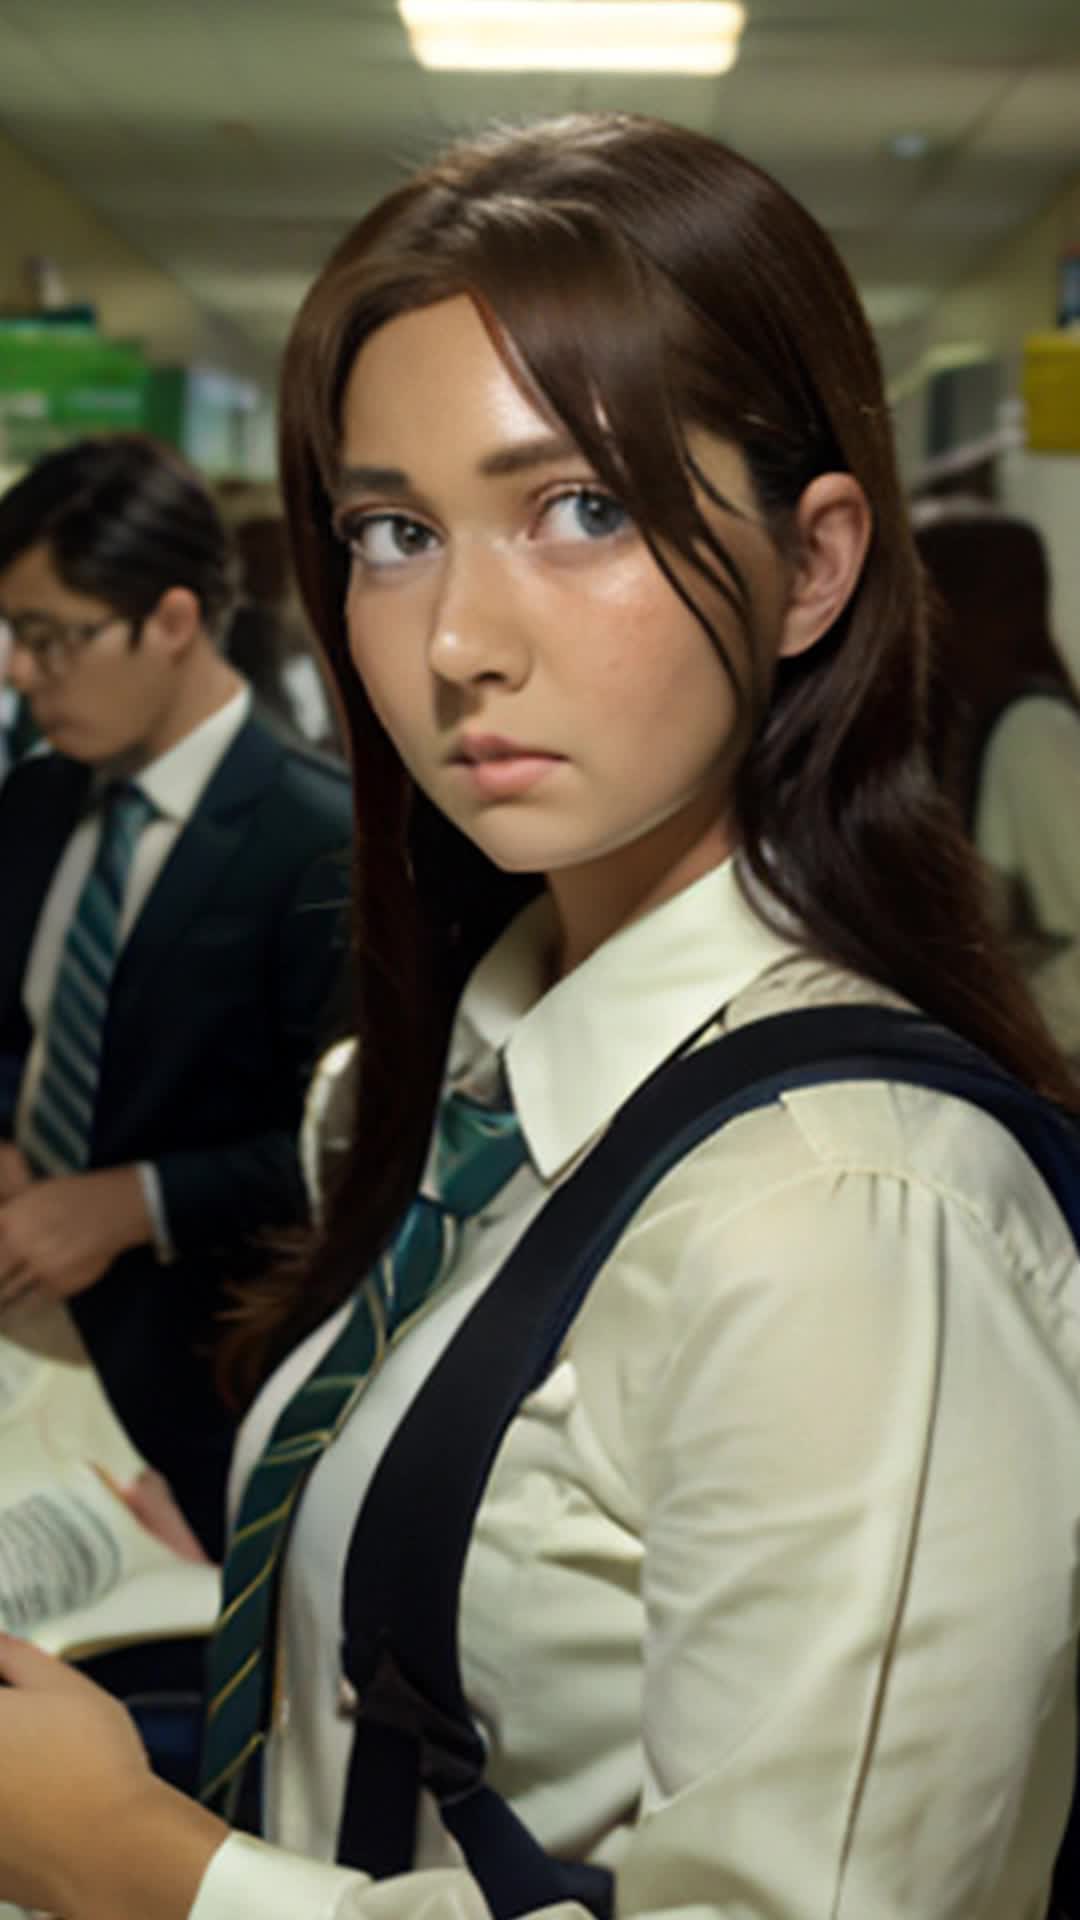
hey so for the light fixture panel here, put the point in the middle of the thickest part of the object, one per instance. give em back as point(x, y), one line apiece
point(575, 36)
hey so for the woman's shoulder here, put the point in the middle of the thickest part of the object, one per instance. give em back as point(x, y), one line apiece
point(1041, 719)
point(790, 1157)
point(840, 1210)
point(326, 1126)
point(803, 979)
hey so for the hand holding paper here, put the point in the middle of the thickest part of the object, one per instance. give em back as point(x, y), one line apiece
point(93, 1552)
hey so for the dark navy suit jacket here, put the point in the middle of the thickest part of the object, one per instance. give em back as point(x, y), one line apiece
point(220, 1002)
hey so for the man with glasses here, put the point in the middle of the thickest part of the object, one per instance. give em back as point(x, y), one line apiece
point(171, 875)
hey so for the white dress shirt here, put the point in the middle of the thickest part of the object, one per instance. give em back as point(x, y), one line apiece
point(1026, 826)
point(175, 782)
point(8, 710)
point(771, 1602)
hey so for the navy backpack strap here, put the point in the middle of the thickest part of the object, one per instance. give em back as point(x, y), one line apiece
point(403, 1575)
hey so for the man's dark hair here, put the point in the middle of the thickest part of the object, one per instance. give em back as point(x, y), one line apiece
point(124, 519)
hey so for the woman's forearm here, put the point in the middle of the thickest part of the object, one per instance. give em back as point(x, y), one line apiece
point(148, 1865)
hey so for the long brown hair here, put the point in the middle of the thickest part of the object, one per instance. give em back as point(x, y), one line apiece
point(646, 278)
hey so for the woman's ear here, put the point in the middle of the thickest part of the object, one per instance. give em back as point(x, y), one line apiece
point(833, 525)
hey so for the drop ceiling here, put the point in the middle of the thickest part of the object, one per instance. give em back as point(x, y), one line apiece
point(231, 141)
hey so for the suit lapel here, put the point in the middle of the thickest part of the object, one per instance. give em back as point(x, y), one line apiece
point(202, 853)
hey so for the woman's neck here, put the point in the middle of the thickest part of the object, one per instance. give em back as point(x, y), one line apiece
point(598, 899)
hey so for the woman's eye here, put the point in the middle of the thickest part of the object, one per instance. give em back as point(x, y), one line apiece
point(388, 539)
point(585, 514)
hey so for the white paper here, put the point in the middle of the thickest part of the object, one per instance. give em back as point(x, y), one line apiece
point(17, 1371)
point(58, 1554)
point(78, 1572)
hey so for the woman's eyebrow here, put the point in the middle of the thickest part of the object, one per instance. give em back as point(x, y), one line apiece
point(517, 457)
point(371, 480)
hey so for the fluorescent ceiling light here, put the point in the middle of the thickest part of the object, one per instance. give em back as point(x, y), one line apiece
point(571, 36)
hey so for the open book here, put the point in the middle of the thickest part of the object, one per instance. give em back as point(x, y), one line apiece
point(78, 1572)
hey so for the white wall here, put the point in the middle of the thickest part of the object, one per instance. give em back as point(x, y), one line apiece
point(1013, 294)
point(985, 316)
point(1015, 291)
point(135, 299)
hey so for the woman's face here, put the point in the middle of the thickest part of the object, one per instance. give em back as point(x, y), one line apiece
point(541, 680)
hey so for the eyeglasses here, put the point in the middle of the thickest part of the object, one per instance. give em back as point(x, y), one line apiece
point(52, 643)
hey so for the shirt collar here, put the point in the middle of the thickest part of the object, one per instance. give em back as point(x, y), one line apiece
point(574, 1053)
point(177, 779)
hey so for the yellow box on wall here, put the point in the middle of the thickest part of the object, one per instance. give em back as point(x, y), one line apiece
point(1051, 385)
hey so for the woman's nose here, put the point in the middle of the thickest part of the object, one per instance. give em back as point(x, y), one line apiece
point(478, 627)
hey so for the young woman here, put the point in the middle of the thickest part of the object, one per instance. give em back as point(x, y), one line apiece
point(1004, 736)
point(771, 1601)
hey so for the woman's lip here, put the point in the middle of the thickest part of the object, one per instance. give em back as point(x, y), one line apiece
point(477, 747)
point(503, 776)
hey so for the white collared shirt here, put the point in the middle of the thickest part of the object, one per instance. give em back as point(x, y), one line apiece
point(771, 1599)
point(8, 710)
point(1025, 828)
point(175, 782)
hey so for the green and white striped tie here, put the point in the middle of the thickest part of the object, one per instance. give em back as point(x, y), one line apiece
point(58, 1131)
point(477, 1150)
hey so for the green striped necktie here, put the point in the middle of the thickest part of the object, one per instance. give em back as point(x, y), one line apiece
point(58, 1132)
point(478, 1148)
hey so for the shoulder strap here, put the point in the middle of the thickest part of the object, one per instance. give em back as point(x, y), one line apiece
point(408, 1549)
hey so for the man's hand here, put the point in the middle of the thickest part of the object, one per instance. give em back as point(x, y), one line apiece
point(15, 1173)
point(150, 1498)
point(57, 1237)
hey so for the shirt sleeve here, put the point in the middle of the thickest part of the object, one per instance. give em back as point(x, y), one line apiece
point(1029, 796)
point(248, 1877)
point(325, 1126)
point(154, 1202)
point(858, 1566)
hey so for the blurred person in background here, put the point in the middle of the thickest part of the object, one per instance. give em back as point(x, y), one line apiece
point(267, 640)
point(1005, 735)
point(170, 939)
